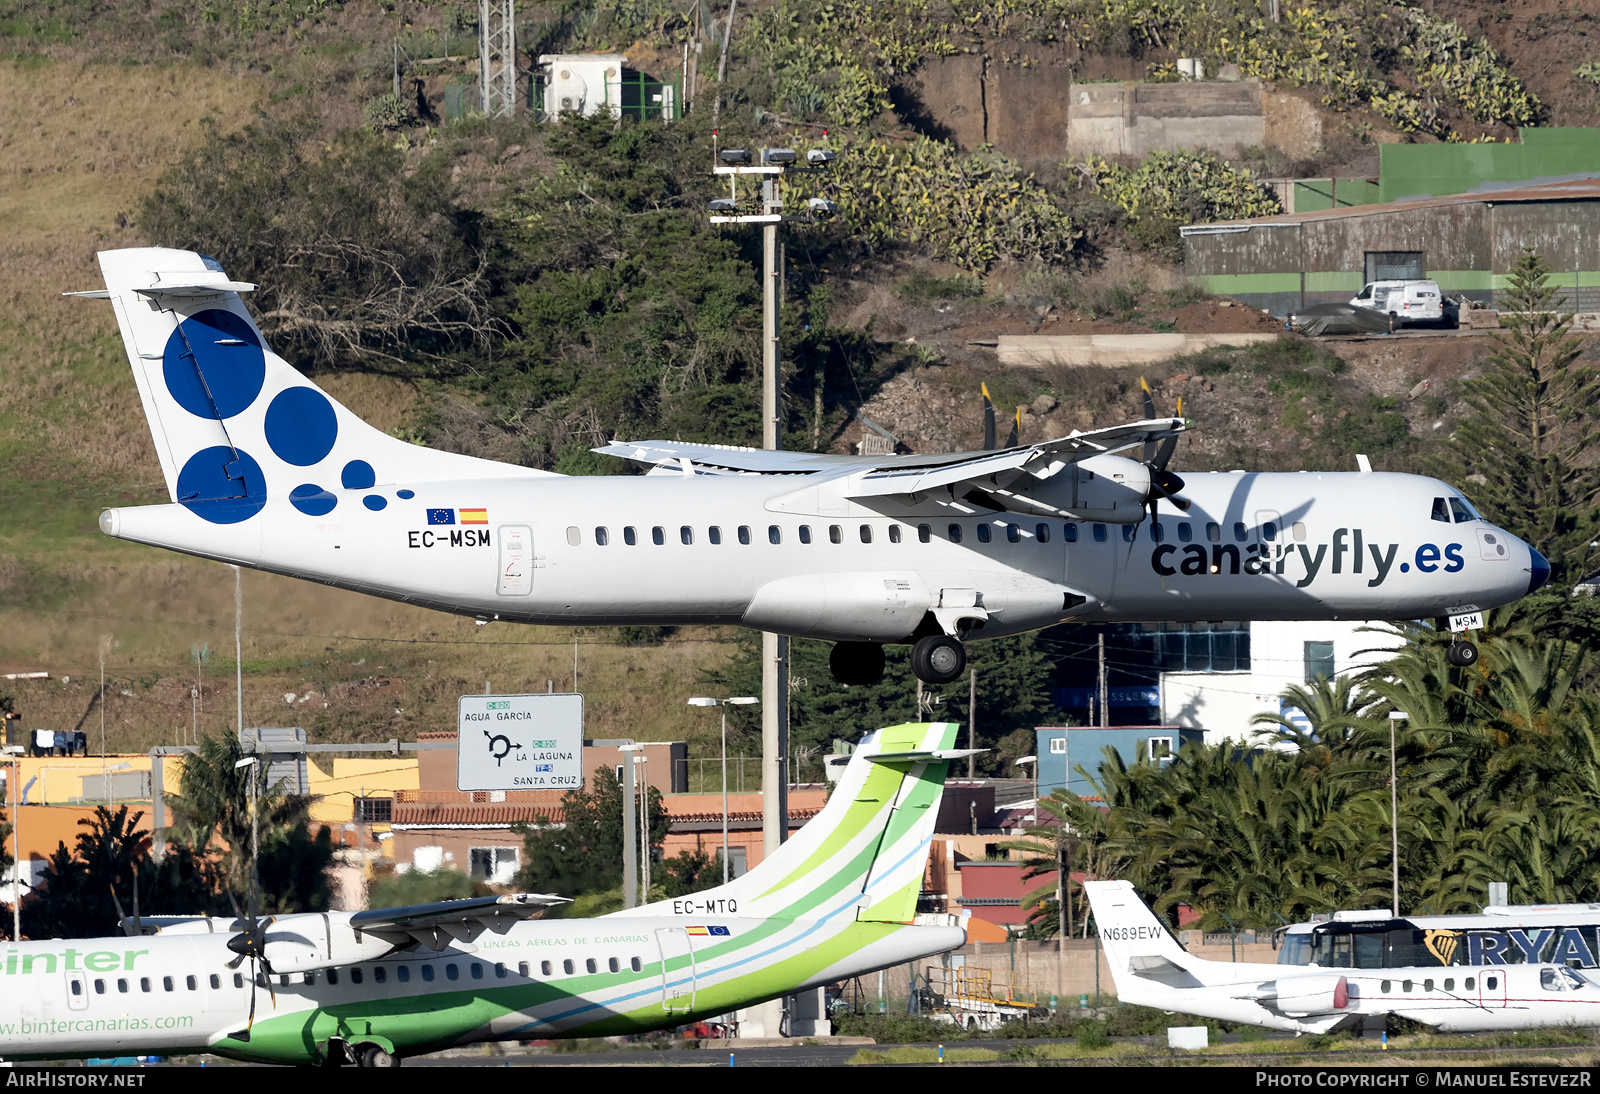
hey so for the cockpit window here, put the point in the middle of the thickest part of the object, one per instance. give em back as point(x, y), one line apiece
point(1463, 511)
point(1559, 979)
point(1441, 510)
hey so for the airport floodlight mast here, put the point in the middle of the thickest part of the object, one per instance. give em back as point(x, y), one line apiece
point(497, 57)
point(773, 164)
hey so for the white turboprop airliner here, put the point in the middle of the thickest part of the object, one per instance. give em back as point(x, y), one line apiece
point(836, 901)
point(1151, 969)
point(265, 470)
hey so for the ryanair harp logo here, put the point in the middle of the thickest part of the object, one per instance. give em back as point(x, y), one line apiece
point(1442, 944)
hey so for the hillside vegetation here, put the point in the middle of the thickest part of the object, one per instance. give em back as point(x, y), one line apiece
point(525, 292)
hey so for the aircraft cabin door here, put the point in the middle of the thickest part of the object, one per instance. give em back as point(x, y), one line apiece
point(516, 560)
point(677, 969)
point(1492, 988)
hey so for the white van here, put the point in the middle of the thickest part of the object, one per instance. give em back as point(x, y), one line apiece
point(1407, 301)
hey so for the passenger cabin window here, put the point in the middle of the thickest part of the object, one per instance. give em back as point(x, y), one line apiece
point(333, 974)
point(355, 976)
point(924, 533)
point(166, 983)
point(238, 982)
point(1158, 531)
point(216, 982)
point(1491, 983)
point(866, 533)
point(744, 534)
point(1069, 532)
point(894, 533)
point(1240, 532)
point(774, 534)
point(499, 970)
point(574, 537)
point(76, 986)
point(835, 534)
point(144, 983)
point(614, 965)
point(602, 538)
point(1299, 532)
point(1041, 532)
point(1441, 510)
point(1099, 533)
point(122, 985)
point(636, 965)
point(714, 534)
point(544, 968)
point(100, 986)
point(1269, 531)
point(310, 978)
point(1185, 531)
point(805, 533)
point(402, 973)
point(629, 536)
point(955, 533)
point(1130, 532)
point(1470, 983)
point(476, 969)
point(1013, 534)
point(1213, 531)
point(686, 534)
point(658, 535)
point(379, 974)
point(590, 966)
point(451, 972)
point(567, 966)
point(427, 972)
point(983, 533)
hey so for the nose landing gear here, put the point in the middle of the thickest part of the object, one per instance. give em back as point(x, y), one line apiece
point(1461, 653)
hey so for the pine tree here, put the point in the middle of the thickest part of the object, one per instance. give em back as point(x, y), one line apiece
point(1531, 442)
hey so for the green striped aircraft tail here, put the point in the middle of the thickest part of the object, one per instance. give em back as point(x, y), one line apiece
point(868, 847)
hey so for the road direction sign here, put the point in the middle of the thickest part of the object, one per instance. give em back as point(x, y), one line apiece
point(520, 742)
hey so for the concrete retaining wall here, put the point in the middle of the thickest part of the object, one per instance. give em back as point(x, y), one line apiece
point(1111, 350)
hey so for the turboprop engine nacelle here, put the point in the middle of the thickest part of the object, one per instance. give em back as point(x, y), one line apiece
point(1107, 489)
point(305, 943)
point(1303, 995)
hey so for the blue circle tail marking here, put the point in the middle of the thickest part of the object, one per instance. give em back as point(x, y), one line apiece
point(312, 500)
point(405, 495)
point(358, 475)
point(213, 364)
point(301, 426)
point(375, 502)
point(217, 487)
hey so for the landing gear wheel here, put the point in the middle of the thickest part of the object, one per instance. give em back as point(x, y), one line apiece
point(856, 663)
point(373, 1056)
point(1462, 654)
point(938, 659)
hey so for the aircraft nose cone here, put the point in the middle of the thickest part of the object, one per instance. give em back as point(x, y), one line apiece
point(110, 521)
point(1539, 571)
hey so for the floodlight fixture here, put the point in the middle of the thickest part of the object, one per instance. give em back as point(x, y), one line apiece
point(720, 205)
point(820, 157)
point(735, 157)
point(702, 701)
point(741, 700)
point(778, 156)
point(822, 206)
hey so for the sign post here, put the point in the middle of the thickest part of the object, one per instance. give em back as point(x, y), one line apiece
point(520, 742)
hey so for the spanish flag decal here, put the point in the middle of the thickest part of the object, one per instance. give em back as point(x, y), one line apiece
point(474, 516)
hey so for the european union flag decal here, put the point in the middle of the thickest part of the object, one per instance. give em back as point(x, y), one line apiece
point(441, 516)
point(719, 931)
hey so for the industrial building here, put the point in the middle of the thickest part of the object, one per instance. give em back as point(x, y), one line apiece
point(1468, 243)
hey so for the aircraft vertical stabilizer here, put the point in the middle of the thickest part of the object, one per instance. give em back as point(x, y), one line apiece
point(233, 423)
point(865, 853)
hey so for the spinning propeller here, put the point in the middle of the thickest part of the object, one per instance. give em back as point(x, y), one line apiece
point(1163, 483)
point(251, 942)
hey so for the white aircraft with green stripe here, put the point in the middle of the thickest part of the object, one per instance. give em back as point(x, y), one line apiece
point(370, 988)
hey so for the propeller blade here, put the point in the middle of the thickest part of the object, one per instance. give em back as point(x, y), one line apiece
point(988, 419)
point(1016, 430)
point(255, 982)
point(1164, 484)
point(138, 929)
point(1164, 453)
point(1149, 413)
point(121, 918)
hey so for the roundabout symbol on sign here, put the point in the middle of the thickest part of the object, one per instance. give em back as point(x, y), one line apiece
point(500, 746)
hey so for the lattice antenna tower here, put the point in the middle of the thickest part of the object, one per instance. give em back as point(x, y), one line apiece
point(497, 57)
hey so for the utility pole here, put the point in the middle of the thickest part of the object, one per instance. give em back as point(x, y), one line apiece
point(1394, 813)
point(1105, 692)
point(497, 57)
point(972, 716)
point(767, 211)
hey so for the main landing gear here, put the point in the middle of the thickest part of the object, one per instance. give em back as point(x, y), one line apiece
point(938, 659)
point(1461, 653)
point(935, 658)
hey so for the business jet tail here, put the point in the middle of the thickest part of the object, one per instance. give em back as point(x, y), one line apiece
point(865, 853)
point(1146, 961)
point(233, 423)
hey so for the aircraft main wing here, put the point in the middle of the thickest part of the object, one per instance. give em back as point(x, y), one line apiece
point(884, 475)
point(437, 925)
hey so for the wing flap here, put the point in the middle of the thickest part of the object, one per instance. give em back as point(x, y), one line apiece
point(437, 925)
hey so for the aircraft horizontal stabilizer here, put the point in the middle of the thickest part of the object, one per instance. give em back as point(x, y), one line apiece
point(437, 925)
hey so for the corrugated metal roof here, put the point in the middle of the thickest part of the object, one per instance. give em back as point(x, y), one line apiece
point(1572, 190)
point(498, 813)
